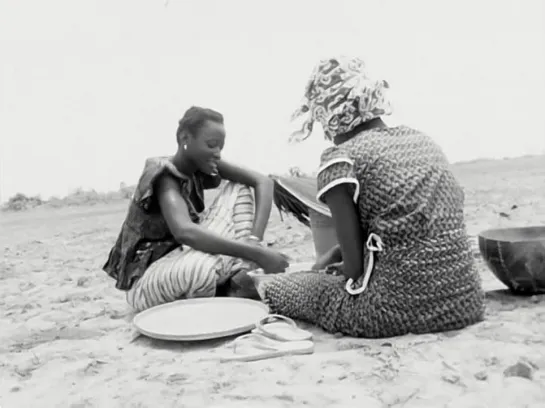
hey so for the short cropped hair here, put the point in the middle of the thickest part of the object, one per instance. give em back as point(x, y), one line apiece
point(195, 117)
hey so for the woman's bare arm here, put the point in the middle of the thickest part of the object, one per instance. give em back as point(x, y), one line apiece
point(348, 228)
point(176, 214)
point(263, 187)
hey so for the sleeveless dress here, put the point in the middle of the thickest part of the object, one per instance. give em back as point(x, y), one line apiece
point(424, 279)
point(147, 262)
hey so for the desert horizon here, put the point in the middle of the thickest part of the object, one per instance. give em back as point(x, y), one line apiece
point(94, 196)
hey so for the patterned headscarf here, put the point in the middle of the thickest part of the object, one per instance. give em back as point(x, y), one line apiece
point(340, 96)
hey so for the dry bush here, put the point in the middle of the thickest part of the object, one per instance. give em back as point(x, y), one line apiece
point(21, 202)
point(295, 172)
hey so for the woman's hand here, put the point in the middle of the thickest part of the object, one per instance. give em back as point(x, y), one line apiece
point(272, 261)
point(252, 239)
point(335, 269)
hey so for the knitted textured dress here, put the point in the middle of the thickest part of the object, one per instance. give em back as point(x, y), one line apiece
point(424, 279)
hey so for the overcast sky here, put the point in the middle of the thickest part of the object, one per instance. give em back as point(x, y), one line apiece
point(89, 89)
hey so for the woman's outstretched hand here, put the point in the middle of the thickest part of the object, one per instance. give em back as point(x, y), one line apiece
point(272, 261)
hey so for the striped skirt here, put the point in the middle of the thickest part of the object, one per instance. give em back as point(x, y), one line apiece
point(187, 273)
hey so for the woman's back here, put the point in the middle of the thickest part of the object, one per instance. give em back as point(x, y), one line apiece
point(408, 193)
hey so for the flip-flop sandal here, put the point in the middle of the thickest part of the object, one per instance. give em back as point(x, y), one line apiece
point(281, 328)
point(259, 347)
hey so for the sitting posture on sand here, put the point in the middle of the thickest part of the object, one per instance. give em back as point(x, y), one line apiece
point(170, 247)
point(403, 256)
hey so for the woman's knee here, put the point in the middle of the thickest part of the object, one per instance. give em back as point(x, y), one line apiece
point(243, 209)
point(191, 274)
point(239, 190)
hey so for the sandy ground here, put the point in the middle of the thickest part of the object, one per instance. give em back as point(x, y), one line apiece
point(66, 338)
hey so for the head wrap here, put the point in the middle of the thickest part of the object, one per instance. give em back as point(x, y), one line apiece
point(341, 96)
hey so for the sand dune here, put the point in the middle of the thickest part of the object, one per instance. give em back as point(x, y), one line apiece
point(66, 339)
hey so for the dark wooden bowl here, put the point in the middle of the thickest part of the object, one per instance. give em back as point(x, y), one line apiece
point(517, 257)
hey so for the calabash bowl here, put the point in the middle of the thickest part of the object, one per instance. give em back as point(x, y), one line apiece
point(516, 256)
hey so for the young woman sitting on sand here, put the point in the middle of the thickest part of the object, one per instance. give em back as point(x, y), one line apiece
point(169, 247)
point(394, 203)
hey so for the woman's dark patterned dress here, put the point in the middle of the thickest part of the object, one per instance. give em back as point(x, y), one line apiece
point(424, 280)
point(145, 237)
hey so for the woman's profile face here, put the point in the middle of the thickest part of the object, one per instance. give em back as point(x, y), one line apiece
point(206, 146)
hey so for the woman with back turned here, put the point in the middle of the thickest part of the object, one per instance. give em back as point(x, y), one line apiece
point(404, 260)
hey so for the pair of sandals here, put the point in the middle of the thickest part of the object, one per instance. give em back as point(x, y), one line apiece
point(274, 336)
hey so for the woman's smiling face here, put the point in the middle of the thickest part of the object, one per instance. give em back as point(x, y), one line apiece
point(206, 146)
